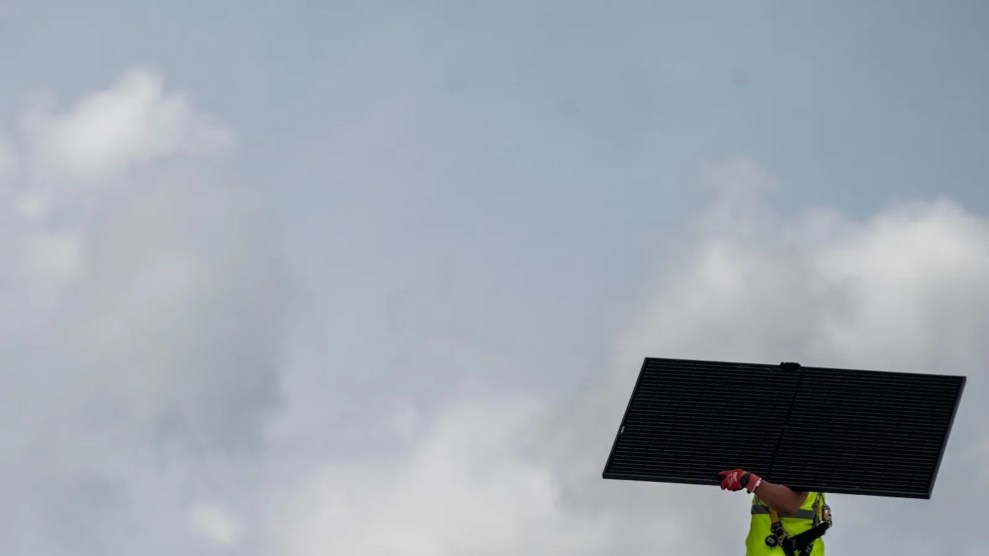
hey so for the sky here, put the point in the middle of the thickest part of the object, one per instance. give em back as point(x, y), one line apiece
point(377, 278)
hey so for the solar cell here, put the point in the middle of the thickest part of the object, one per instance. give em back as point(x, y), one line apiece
point(846, 431)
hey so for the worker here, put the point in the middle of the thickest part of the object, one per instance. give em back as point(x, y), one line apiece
point(784, 522)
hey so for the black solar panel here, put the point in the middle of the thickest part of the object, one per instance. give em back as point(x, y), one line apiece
point(835, 430)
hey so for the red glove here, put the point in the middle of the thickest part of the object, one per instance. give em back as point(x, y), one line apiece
point(737, 479)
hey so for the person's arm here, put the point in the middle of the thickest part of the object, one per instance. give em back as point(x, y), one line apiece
point(785, 500)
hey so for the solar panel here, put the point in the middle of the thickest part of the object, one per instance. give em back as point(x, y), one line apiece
point(845, 431)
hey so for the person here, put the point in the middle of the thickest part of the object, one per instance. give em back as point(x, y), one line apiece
point(785, 522)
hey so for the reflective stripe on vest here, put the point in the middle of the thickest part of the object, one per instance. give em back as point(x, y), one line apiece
point(801, 514)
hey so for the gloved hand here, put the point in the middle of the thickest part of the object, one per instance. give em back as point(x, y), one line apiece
point(737, 479)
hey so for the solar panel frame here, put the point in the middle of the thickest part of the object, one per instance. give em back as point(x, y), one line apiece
point(646, 447)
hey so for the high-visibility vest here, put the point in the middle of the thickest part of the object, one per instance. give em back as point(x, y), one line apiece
point(759, 529)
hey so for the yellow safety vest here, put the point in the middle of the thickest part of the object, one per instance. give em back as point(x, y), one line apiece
point(759, 529)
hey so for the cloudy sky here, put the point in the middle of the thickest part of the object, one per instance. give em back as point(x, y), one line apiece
point(376, 278)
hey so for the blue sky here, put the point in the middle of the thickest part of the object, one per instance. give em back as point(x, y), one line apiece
point(372, 222)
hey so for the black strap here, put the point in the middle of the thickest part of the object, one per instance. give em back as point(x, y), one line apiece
point(807, 538)
point(803, 543)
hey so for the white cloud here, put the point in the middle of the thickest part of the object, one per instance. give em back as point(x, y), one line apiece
point(915, 284)
point(132, 123)
point(906, 286)
point(215, 523)
point(466, 487)
point(141, 326)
